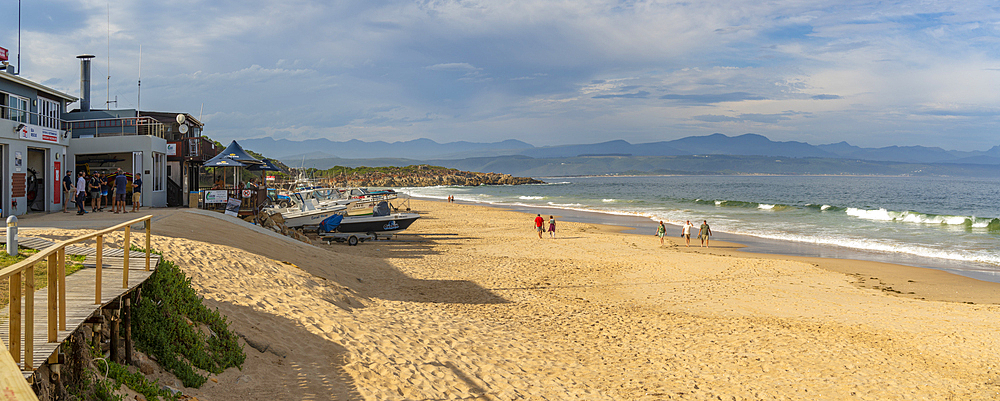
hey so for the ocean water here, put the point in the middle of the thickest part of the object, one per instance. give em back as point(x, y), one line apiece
point(950, 223)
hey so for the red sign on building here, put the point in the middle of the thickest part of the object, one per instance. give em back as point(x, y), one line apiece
point(3, 54)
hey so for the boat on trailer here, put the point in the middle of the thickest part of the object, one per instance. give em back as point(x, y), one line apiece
point(381, 222)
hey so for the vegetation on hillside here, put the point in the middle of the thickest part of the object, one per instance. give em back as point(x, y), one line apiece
point(337, 171)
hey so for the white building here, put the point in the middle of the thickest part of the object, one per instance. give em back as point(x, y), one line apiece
point(39, 142)
point(33, 145)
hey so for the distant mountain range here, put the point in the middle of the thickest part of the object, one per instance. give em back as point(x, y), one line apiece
point(294, 152)
point(710, 154)
point(418, 149)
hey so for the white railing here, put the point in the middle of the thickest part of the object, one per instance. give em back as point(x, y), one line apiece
point(30, 117)
point(104, 126)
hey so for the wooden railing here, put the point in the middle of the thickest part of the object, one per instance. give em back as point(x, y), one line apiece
point(56, 257)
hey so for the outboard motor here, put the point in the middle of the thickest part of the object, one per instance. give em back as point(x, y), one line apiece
point(381, 209)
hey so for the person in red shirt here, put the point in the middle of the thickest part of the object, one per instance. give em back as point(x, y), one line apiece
point(539, 225)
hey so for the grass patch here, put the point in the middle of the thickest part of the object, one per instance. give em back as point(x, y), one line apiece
point(167, 322)
point(73, 264)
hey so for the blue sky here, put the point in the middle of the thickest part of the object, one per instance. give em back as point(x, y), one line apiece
point(545, 72)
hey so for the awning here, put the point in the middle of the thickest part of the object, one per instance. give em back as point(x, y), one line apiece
point(235, 152)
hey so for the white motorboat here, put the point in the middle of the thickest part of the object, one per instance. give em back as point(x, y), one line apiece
point(308, 212)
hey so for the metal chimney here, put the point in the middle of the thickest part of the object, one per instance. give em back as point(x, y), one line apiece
point(85, 81)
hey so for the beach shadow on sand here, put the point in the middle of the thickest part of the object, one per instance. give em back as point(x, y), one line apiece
point(295, 364)
point(388, 283)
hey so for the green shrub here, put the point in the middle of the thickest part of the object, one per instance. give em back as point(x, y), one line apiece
point(165, 325)
point(138, 383)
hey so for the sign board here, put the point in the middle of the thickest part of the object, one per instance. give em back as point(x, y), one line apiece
point(233, 207)
point(172, 148)
point(38, 133)
point(247, 193)
point(3, 54)
point(270, 178)
point(216, 196)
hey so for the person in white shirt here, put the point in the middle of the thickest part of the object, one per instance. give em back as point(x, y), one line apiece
point(81, 193)
point(687, 232)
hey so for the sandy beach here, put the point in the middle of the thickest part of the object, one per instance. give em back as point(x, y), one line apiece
point(471, 304)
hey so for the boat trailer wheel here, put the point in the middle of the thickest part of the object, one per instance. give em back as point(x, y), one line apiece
point(352, 240)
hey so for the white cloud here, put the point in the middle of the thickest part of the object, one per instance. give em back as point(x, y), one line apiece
point(545, 71)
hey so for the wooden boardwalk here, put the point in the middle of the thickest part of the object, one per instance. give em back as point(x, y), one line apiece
point(79, 306)
point(80, 294)
point(41, 243)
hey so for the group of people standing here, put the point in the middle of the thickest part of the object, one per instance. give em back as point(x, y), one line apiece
point(101, 187)
point(704, 232)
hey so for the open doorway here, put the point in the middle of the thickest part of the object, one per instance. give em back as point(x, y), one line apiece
point(35, 183)
point(4, 191)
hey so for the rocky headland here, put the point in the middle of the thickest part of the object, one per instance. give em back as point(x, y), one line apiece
point(416, 176)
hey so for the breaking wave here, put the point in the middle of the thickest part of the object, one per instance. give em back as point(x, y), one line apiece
point(881, 214)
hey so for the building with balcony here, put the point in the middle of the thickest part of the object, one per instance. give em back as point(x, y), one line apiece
point(165, 147)
point(33, 145)
point(106, 140)
point(187, 150)
point(39, 141)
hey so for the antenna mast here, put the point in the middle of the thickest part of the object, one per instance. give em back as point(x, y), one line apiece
point(18, 37)
point(138, 99)
point(107, 104)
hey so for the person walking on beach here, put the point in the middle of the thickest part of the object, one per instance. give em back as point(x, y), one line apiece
point(661, 230)
point(539, 225)
point(68, 192)
point(704, 232)
point(686, 232)
point(137, 192)
point(121, 184)
point(552, 227)
point(81, 194)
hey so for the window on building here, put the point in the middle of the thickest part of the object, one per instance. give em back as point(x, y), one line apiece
point(49, 112)
point(18, 108)
point(158, 170)
point(13, 107)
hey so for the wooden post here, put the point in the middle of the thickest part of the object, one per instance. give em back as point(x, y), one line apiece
point(62, 287)
point(14, 328)
point(29, 316)
point(126, 244)
point(100, 267)
point(127, 322)
point(53, 306)
point(115, 341)
point(149, 223)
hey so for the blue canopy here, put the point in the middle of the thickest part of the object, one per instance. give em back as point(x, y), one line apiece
point(266, 166)
point(233, 153)
point(219, 161)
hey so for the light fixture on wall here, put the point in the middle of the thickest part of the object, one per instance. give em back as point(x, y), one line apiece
point(19, 127)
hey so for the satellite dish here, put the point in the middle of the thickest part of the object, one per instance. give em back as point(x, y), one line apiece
point(181, 118)
point(184, 128)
